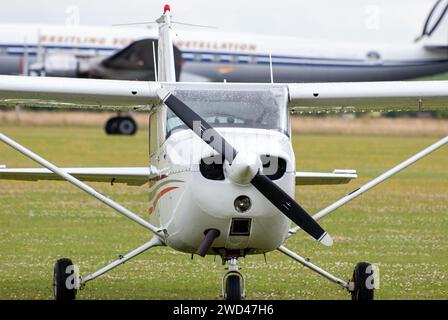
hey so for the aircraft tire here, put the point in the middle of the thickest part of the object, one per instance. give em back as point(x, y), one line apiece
point(362, 278)
point(121, 126)
point(64, 280)
point(111, 126)
point(233, 288)
point(127, 126)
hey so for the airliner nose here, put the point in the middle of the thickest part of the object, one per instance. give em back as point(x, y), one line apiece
point(244, 168)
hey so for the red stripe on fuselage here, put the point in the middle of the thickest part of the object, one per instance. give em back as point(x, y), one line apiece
point(160, 195)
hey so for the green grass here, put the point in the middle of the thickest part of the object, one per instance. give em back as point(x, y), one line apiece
point(402, 225)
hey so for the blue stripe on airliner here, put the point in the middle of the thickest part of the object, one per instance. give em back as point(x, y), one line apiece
point(294, 60)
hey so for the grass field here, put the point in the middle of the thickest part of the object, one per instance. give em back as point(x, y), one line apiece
point(402, 225)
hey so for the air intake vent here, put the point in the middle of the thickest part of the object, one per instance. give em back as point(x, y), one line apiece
point(240, 227)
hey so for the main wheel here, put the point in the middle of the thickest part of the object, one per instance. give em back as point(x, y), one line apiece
point(64, 280)
point(121, 126)
point(111, 126)
point(233, 288)
point(127, 126)
point(364, 282)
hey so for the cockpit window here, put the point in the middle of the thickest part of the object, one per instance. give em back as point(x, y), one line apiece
point(265, 108)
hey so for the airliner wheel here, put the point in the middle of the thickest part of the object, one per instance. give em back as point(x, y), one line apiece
point(111, 126)
point(121, 126)
point(127, 126)
point(64, 280)
point(363, 280)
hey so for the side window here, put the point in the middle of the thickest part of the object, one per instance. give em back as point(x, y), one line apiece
point(153, 139)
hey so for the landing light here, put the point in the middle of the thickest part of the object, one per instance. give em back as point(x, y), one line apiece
point(242, 204)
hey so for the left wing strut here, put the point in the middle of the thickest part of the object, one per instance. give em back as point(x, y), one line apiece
point(81, 185)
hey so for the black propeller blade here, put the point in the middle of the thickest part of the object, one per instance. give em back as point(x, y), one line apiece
point(280, 199)
point(190, 118)
point(289, 207)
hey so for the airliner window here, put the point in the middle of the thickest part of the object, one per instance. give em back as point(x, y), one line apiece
point(260, 109)
point(373, 56)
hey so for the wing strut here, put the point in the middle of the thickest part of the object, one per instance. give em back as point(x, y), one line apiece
point(403, 165)
point(154, 242)
point(81, 185)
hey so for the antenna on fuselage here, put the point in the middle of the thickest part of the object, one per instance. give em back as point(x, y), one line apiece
point(156, 76)
point(270, 67)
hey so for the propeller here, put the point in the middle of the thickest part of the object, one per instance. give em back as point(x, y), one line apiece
point(279, 198)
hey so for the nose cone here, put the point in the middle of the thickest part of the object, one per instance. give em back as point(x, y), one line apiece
point(244, 168)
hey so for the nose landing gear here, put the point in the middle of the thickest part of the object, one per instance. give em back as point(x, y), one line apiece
point(362, 286)
point(233, 282)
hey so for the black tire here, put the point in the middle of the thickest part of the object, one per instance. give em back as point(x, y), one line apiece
point(363, 280)
point(127, 126)
point(60, 276)
point(121, 126)
point(111, 126)
point(233, 288)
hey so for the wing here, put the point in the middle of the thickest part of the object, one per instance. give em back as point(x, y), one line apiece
point(132, 176)
point(77, 93)
point(304, 97)
point(368, 96)
point(319, 178)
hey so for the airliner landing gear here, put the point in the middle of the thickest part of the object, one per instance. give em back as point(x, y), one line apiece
point(121, 126)
point(233, 282)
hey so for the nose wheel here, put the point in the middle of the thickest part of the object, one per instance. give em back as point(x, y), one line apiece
point(233, 282)
point(362, 283)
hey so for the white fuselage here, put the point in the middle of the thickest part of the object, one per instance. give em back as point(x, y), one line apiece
point(186, 204)
point(218, 56)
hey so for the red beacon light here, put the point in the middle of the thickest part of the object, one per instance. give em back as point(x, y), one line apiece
point(166, 8)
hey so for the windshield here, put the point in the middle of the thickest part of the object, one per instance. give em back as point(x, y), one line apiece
point(263, 108)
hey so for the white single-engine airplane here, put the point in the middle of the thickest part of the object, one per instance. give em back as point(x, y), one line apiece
point(222, 168)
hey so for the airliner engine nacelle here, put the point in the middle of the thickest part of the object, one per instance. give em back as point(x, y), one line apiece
point(135, 62)
point(56, 65)
point(61, 65)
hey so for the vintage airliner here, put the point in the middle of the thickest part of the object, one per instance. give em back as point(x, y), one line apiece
point(222, 169)
point(125, 53)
